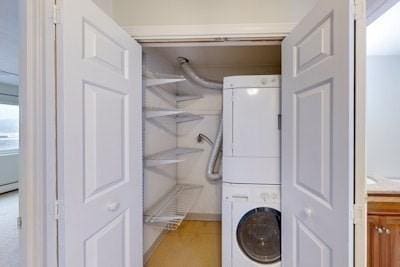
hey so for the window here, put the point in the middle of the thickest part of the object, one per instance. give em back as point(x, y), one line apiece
point(9, 128)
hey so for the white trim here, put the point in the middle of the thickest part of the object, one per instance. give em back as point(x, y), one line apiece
point(213, 31)
point(8, 187)
point(37, 145)
point(360, 232)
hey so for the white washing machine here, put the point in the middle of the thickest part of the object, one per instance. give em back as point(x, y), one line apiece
point(251, 225)
point(251, 140)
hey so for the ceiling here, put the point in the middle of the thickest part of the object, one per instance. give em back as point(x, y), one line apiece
point(9, 41)
point(383, 35)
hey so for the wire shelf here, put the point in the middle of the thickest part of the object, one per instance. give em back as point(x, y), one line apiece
point(160, 112)
point(169, 156)
point(181, 98)
point(179, 115)
point(156, 79)
point(169, 212)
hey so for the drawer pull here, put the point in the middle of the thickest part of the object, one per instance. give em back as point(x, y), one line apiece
point(387, 231)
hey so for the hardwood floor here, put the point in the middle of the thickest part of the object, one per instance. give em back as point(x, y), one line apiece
point(194, 244)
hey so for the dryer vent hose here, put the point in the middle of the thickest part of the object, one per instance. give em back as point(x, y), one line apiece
point(191, 75)
point(216, 151)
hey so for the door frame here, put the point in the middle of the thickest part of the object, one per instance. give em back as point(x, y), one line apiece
point(151, 35)
point(38, 239)
point(38, 119)
point(360, 186)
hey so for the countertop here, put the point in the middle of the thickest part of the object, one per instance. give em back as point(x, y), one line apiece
point(383, 185)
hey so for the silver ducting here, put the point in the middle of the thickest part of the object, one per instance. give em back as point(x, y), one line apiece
point(215, 153)
point(216, 149)
point(191, 75)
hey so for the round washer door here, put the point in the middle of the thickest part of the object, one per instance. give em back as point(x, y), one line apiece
point(259, 235)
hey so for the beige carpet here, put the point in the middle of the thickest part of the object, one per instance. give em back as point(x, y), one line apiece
point(9, 238)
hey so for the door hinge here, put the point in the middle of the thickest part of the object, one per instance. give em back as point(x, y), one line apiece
point(57, 210)
point(359, 7)
point(357, 214)
point(56, 14)
point(19, 222)
point(279, 121)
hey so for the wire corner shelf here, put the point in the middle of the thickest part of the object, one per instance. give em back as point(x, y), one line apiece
point(169, 212)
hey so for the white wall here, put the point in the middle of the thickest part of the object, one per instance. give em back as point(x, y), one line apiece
point(105, 5)
point(182, 12)
point(9, 36)
point(383, 116)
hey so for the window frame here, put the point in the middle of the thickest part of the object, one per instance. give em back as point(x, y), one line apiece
point(12, 100)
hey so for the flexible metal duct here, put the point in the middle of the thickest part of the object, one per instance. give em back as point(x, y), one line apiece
point(191, 75)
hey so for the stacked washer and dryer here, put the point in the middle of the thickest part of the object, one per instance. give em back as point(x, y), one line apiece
point(251, 217)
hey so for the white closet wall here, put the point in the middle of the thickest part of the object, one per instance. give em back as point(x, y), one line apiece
point(105, 5)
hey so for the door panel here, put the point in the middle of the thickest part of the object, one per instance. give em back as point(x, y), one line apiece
point(99, 140)
point(317, 138)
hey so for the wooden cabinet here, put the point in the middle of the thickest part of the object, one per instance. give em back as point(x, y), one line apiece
point(384, 231)
point(391, 246)
point(374, 243)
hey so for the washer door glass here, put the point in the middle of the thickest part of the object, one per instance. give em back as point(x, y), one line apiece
point(259, 235)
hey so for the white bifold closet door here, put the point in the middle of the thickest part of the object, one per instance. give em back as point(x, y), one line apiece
point(99, 140)
point(317, 138)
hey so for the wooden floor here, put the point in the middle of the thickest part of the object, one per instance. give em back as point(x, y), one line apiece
point(194, 244)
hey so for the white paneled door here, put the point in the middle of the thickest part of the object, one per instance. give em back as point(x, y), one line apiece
point(317, 138)
point(99, 140)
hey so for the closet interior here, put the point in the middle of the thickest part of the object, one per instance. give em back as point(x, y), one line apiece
point(181, 120)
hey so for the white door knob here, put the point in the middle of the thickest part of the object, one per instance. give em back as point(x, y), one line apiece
point(113, 206)
point(308, 212)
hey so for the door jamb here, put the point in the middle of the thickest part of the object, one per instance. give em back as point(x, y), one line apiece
point(38, 241)
point(360, 193)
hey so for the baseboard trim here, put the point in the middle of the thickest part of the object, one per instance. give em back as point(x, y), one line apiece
point(147, 255)
point(203, 217)
point(8, 187)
